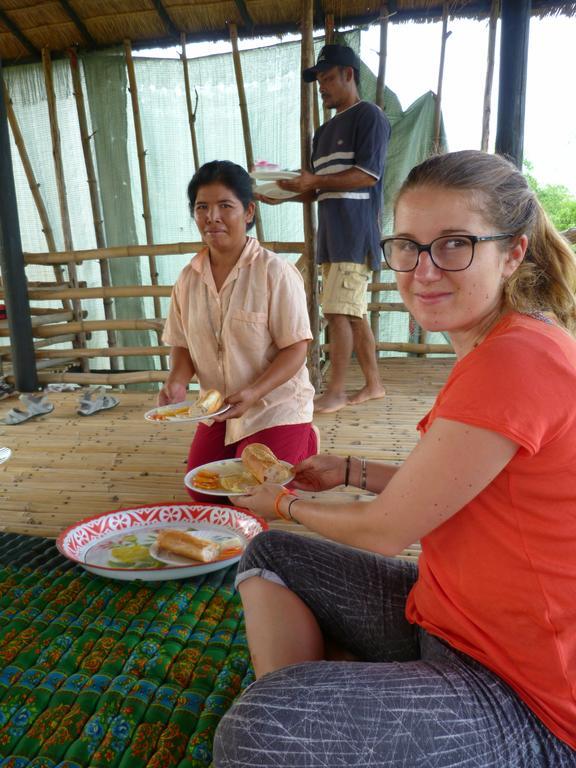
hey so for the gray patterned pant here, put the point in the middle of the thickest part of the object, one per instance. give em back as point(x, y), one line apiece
point(412, 702)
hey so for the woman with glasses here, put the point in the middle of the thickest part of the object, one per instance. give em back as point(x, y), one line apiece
point(469, 658)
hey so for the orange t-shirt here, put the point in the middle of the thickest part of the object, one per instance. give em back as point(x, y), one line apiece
point(498, 579)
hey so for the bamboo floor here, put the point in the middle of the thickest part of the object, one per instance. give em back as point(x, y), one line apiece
point(65, 467)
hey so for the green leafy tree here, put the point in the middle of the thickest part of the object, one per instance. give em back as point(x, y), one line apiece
point(557, 201)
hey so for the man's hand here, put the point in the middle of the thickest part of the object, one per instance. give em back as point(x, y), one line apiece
point(302, 184)
point(267, 200)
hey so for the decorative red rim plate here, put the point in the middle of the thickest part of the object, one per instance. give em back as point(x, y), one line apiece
point(76, 540)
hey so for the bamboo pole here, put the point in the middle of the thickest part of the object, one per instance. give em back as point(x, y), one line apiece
point(106, 352)
point(380, 90)
point(32, 183)
point(311, 271)
point(164, 249)
point(381, 80)
point(46, 331)
point(438, 109)
point(142, 167)
point(233, 32)
point(94, 193)
point(64, 339)
point(118, 291)
point(141, 377)
point(382, 287)
point(419, 349)
point(494, 13)
point(191, 112)
point(328, 39)
point(387, 306)
point(60, 182)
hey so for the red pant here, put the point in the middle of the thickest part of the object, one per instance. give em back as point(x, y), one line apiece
point(292, 443)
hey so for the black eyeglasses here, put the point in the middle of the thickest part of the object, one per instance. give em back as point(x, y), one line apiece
point(452, 253)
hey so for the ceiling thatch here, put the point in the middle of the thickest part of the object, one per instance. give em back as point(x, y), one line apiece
point(27, 26)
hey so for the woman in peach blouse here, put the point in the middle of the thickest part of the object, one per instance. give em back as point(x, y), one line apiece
point(238, 320)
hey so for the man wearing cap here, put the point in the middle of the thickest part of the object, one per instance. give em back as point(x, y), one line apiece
point(348, 157)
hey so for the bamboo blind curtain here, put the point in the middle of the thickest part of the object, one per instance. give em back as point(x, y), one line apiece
point(272, 84)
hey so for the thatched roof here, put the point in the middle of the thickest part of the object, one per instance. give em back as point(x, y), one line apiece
point(27, 26)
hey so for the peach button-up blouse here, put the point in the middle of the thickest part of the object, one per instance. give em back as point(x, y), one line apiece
point(233, 335)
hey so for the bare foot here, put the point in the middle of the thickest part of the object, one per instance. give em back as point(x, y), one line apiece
point(366, 393)
point(327, 403)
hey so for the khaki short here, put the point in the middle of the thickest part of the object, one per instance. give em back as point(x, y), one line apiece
point(344, 288)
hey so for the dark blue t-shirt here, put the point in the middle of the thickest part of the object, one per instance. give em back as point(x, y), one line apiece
point(348, 222)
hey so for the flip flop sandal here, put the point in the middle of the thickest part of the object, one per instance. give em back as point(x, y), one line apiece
point(35, 406)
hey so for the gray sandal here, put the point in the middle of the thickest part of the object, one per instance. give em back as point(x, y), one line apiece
point(36, 405)
point(94, 400)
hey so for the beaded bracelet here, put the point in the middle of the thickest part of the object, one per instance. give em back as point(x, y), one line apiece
point(281, 494)
point(347, 473)
point(363, 473)
point(296, 498)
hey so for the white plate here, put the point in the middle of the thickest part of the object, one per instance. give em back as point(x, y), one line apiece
point(273, 175)
point(198, 415)
point(97, 543)
point(271, 189)
point(223, 467)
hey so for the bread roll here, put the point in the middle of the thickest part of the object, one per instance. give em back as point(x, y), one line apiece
point(261, 462)
point(210, 402)
point(187, 545)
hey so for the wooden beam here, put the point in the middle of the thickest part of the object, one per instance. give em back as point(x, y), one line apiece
point(311, 267)
point(233, 29)
point(164, 249)
point(78, 23)
point(146, 214)
point(19, 35)
point(494, 13)
point(247, 20)
point(94, 193)
point(320, 16)
point(514, 34)
point(191, 111)
point(32, 183)
point(12, 267)
point(438, 109)
point(382, 54)
point(163, 13)
point(329, 39)
point(60, 180)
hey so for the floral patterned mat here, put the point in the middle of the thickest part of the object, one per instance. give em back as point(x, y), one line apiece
point(95, 672)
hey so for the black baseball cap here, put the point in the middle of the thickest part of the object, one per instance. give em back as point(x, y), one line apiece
point(332, 56)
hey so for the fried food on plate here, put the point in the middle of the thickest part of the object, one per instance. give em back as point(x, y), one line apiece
point(238, 482)
point(210, 402)
point(263, 464)
point(207, 480)
point(187, 545)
